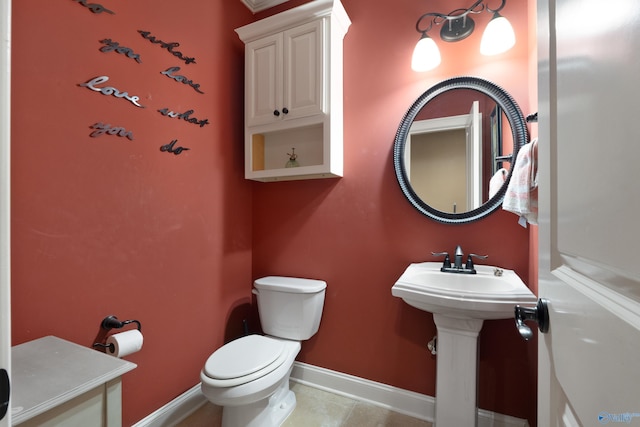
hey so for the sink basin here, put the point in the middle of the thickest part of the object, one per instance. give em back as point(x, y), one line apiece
point(479, 296)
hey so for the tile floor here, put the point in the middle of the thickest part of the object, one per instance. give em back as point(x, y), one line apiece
point(317, 408)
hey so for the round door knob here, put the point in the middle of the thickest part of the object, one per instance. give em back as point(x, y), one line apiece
point(538, 314)
point(285, 110)
point(276, 113)
point(5, 392)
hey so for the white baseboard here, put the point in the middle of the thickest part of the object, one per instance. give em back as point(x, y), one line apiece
point(176, 410)
point(396, 399)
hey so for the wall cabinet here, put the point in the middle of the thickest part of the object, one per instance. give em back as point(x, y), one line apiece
point(293, 92)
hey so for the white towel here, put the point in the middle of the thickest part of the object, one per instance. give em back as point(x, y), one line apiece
point(497, 181)
point(521, 197)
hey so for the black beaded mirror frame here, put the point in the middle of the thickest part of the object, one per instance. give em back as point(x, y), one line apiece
point(517, 124)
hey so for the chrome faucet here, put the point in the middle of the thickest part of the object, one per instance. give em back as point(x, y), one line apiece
point(458, 267)
point(458, 258)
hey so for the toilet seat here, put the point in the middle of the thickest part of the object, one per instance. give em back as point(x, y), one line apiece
point(244, 360)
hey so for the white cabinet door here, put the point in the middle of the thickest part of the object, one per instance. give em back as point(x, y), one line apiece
point(264, 62)
point(589, 373)
point(285, 75)
point(304, 70)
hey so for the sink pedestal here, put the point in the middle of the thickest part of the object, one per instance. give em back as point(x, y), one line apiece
point(456, 371)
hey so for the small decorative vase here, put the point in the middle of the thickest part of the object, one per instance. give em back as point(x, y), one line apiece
point(292, 163)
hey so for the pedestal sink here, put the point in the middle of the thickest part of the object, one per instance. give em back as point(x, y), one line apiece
point(460, 303)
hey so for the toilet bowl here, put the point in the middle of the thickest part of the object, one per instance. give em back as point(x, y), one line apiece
point(256, 394)
point(249, 377)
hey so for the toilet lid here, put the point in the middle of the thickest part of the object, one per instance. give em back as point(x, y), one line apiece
point(243, 357)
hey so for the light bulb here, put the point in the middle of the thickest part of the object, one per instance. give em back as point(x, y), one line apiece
point(498, 37)
point(426, 55)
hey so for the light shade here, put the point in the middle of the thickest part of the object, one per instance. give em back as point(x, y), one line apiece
point(498, 37)
point(426, 55)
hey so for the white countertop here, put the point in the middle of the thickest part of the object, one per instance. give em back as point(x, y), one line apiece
point(49, 371)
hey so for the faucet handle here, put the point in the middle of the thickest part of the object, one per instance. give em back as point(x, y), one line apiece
point(447, 260)
point(470, 257)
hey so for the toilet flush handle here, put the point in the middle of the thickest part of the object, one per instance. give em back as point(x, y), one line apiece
point(254, 291)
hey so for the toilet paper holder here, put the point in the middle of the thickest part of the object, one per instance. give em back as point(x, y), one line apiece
point(112, 322)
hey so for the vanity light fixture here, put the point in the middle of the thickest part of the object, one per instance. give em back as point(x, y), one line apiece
point(457, 25)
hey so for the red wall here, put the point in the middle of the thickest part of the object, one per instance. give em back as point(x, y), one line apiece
point(106, 225)
point(359, 233)
point(111, 226)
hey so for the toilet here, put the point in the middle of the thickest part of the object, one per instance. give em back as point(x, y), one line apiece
point(249, 377)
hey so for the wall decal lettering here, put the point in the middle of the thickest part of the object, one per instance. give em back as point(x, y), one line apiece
point(185, 116)
point(169, 46)
point(182, 79)
point(102, 128)
point(109, 90)
point(94, 7)
point(111, 46)
point(169, 148)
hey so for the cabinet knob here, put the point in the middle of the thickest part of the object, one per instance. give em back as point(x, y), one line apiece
point(276, 113)
point(285, 110)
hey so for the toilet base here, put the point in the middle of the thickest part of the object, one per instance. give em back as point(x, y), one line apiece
point(270, 412)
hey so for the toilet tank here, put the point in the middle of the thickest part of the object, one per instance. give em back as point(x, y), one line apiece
point(290, 307)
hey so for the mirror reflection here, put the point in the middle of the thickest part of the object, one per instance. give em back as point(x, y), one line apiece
point(454, 148)
point(456, 143)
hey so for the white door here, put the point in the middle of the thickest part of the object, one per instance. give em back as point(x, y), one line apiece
point(473, 132)
point(5, 134)
point(589, 146)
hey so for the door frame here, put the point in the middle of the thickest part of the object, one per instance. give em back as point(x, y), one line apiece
point(5, 194)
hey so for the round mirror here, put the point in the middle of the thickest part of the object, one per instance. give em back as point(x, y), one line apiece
point(454, 149)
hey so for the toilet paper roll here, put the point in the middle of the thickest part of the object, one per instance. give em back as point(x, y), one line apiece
point(124, 343)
